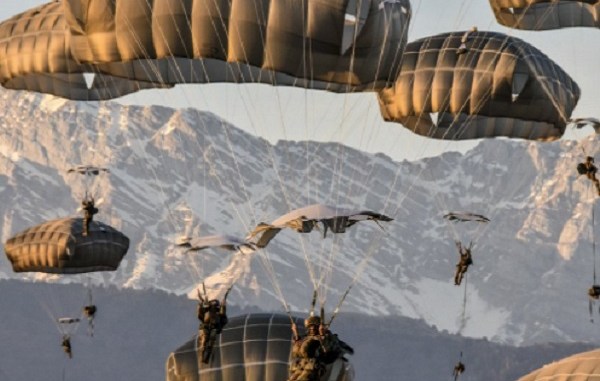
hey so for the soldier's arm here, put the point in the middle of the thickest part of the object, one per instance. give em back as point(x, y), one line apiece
point(295, 335)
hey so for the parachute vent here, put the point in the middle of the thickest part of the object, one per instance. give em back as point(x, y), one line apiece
point(89, 79)
point(434, 116)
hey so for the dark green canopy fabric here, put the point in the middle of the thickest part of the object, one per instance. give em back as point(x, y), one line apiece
point(253, 347)
point(35, 55)
point(467, 85)
point(59, 247)
point(545, 14)
point(335, 45)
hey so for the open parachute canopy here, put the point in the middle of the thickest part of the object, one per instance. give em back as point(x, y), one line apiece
point(103, 49)
point(226, 242)
point(304, 220)
point(546, 14)
point(468, 85)
point(580, 367)
point(35, 55)
point(465, 217)
point(59, 247)
point(88, 170)
point(67, 320)
point(254, 347)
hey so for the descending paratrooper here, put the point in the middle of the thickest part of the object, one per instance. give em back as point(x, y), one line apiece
point(466, 260)
point(312, 352)
point(589, 169)
point(89, 209)
point(213, 318)
point(66, 345)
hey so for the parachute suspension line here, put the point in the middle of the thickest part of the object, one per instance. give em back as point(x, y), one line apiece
point(463, 315)
point(202, 121)
point(339, 170)
point(594, 239)
point(157, 73)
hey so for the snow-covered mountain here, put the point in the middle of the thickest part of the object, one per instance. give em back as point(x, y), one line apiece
point(533, 261)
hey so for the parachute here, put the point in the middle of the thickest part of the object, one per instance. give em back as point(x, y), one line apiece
point(499, 86)
point(466, 216)
point(67, 320)
point(35, 55)
point(226, 242)
point(88, 170)
point(252, 347)
point(305, 219)
point(583, 122)
point(104, 49)
point(58, 247)
point(580, 367)
point(544, 14)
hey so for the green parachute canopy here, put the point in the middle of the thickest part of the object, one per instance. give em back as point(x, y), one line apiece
point(545, 14)
point(59, 247)
point(469, 85)
point(254, 347)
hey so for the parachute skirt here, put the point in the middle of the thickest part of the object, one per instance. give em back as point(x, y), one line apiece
point(59, 247)
point(253, 347)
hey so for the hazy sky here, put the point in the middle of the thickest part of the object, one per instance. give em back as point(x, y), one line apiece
point(283, 113)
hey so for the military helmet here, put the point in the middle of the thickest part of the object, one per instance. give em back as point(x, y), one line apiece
point(312, 320)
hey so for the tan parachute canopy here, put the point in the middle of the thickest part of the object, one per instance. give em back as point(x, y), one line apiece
point(35, 55)
point(59, 247)
point(545, 14)
point(467, 85)
point(336, 45)
point(580, 367)
point(253, 347)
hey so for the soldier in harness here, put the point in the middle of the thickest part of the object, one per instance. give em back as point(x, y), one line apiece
point(213, 317)
point(66, 346)
point(90, 312)
point(465, 261)
point(589, 169)
point(594, 294)
point(312, 352)
point(89, 209)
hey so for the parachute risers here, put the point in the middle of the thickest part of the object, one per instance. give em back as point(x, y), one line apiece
point(499, 86)
point(58, 247)
point(253, 347)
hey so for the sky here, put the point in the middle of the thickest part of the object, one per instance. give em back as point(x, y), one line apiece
point(354, 119)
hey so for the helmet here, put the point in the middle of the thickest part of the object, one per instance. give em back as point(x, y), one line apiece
point(312, 320)
point(589, 158)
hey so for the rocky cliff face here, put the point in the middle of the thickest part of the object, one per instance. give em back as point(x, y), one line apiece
point(177, 172)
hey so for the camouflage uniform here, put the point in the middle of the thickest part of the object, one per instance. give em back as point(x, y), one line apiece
point(88, 214)
point(589, 169)
point(66, 345)
point(311, 353)
point(213, 317)
point(462, 266)
point(594, 292)
point(458, 370)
